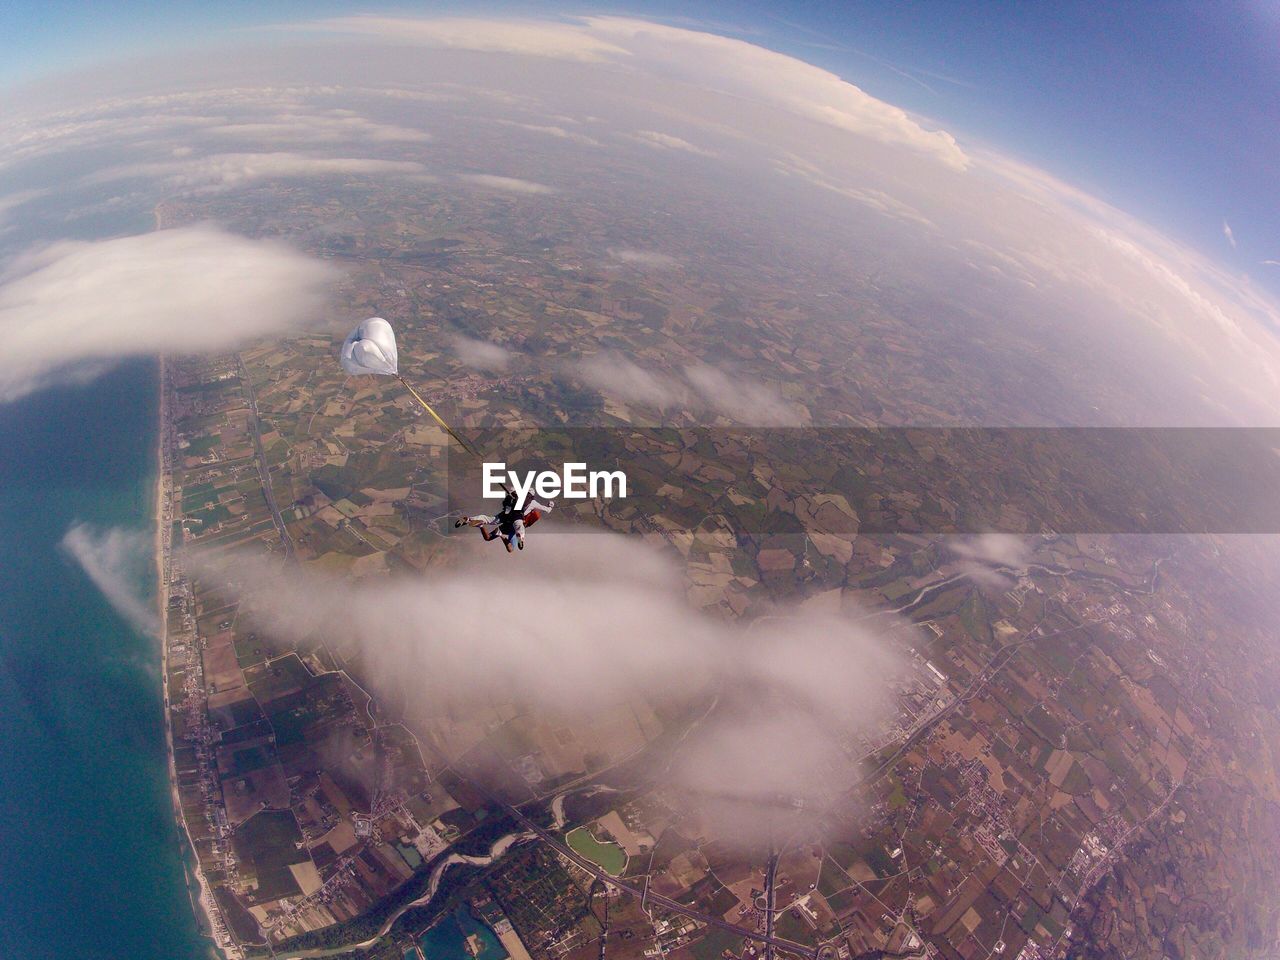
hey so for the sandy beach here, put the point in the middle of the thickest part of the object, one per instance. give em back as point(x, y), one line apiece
point(164, 564)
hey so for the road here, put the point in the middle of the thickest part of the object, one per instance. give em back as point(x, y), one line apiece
point(264, 472)
point(770, 883)
point(604, 930)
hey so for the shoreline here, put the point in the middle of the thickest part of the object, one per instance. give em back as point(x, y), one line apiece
point(205, 905)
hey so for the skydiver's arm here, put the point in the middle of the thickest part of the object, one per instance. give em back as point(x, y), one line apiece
point(536, 505)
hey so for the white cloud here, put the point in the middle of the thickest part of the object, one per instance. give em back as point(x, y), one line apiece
point(665, 141)
point(741, 69)
point(745, 70)
point(117, 561)
point(992, 559)
point(743, 399)
point(1229, 234)
point(617, 377)
point(13, 201)
point(332, 126)
point(645, 259)
point(72, 307)
point(33, 139)
point(601, 621)
point(481, 355)
point(1160, 269)
point(1076, 270)
point(698, 387)
point(877, 200)
point(552, 131)
point(562, 41)
point(1207, 319)
point(226, 170)
point(507, 184)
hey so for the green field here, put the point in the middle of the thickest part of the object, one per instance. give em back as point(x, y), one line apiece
point(608, 856)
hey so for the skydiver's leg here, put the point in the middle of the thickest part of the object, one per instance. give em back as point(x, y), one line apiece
point(518, 536)
point(534, 511)
point(487, 525)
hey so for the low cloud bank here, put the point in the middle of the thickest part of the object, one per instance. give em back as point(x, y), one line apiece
point(74, 308)
point(582, 623)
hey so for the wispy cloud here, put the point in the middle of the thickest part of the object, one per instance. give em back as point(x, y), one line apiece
point(506, 184)
point(721, 63)
point(226, 170)
point(754, 72)
point(72, 307)
point(617, 377)
point(551, 130)
point(665, 141)
point(13, 201)
point(329, 126)
point(743, 399)
point(480, 354)
point(992, 560)
point(696, 387)
point(117, 561)
point(877, 200)
point(561, 41)
point(1229, 234)
point(646, 259)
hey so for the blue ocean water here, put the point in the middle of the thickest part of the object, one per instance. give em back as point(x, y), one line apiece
point(91, 861)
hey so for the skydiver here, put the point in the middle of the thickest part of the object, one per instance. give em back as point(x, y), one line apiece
point(510, 522)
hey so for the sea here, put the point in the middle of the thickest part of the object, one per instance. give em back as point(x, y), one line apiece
point(91, 859)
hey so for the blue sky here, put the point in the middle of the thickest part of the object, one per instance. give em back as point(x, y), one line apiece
point(1170, 111)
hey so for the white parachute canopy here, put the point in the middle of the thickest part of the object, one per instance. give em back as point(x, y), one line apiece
point(371, 348)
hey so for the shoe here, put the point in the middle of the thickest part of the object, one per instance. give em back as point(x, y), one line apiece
point(507, 544)
point(520, 544)
point(461, 522)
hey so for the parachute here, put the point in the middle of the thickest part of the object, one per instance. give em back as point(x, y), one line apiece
point(371, 349)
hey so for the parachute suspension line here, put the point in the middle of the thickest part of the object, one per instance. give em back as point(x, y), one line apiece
point(435, 416)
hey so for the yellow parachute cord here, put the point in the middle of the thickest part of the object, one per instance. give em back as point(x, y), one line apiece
point(435, 416)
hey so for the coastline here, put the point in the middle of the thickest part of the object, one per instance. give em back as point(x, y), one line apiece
point(208, 914)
